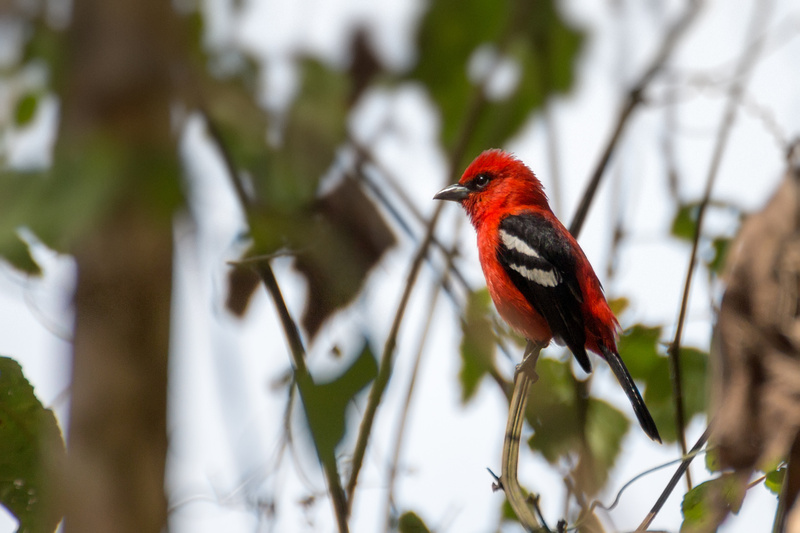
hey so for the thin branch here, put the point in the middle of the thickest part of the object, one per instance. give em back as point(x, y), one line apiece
point(526, 374)
point(387, 361)
point(304, 381)
point(302, 377)
point(674, 480)
point(387, 357)
point(597, 504)
point(290, 329)
point(233, 173)
point(743, 69)
point(401, 426)
point(386, 200)
point(633, 99)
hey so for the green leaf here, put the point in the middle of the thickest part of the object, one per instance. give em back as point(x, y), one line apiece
point(565, 423)
point(532, 35)
point(774, 480)
point(18, 254)
point(684, 223)
point(46, 44)
point(348, 237)
point(606, 427)
point(325, 403)
point(31, 453)
point(619, 305)
point(659, 397)
point(554, 414)
point(286, 172)
point(507, 512)
point(706, 505)
point(713, 463)
point(410, 522)
point(477, 344)
point(90, 177)
point(694, 370)
point(638, 347)
point(721, 245)
point(26, 109)
point(317, 125)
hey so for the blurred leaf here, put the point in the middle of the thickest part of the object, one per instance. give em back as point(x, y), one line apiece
point(242, 284)
point(565, 422)
point(721, 245)
point(638, 347)
point(239, 124)
point(90, 178)
point(477, 344)
point(447, 38)
point(325, 403)
point(658, 394)
point(659, 400)
point(694, 370)
point(706, 505)
point(348, 239)
point(684, 224)
point(26, 109)
point(56, 206)
point(338, 238)
point(17, 253)
point(285, 173)
point(553, 411)
point(774, 480)
point(31, 453)
point(316, 126)
point(410, 522)
point(532, 35)
point(606, 426)
point(619, 305)
point(47, 44)
point(364, 65)
point(712, 460)
point(507, 512)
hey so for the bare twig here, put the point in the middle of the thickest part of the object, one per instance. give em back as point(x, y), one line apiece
point(302, 377)
point(674, 480)
point(743, 69)
point(387, 357)
point(516, 417)
point(401, 426)
point(397, 193)
point(290, 329)
point(227, 159)
point(387, 361)
point(633, 99)
point(304, 381)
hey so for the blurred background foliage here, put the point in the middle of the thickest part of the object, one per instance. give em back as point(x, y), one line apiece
point(486, 66)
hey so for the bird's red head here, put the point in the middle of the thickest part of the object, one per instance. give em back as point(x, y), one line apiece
point(494, 181)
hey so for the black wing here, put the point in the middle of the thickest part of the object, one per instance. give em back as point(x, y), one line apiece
point(541, 265)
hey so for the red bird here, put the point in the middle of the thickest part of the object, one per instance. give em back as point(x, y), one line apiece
point(538, 276)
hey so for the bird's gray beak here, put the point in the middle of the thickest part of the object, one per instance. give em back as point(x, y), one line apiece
point(454, 193)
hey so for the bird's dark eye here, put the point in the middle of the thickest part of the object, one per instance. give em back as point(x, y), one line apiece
point(481, 181)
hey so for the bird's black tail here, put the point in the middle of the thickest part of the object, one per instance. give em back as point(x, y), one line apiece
point(626, 381)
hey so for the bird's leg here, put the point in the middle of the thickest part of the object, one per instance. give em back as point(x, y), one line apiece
point(529, 359)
